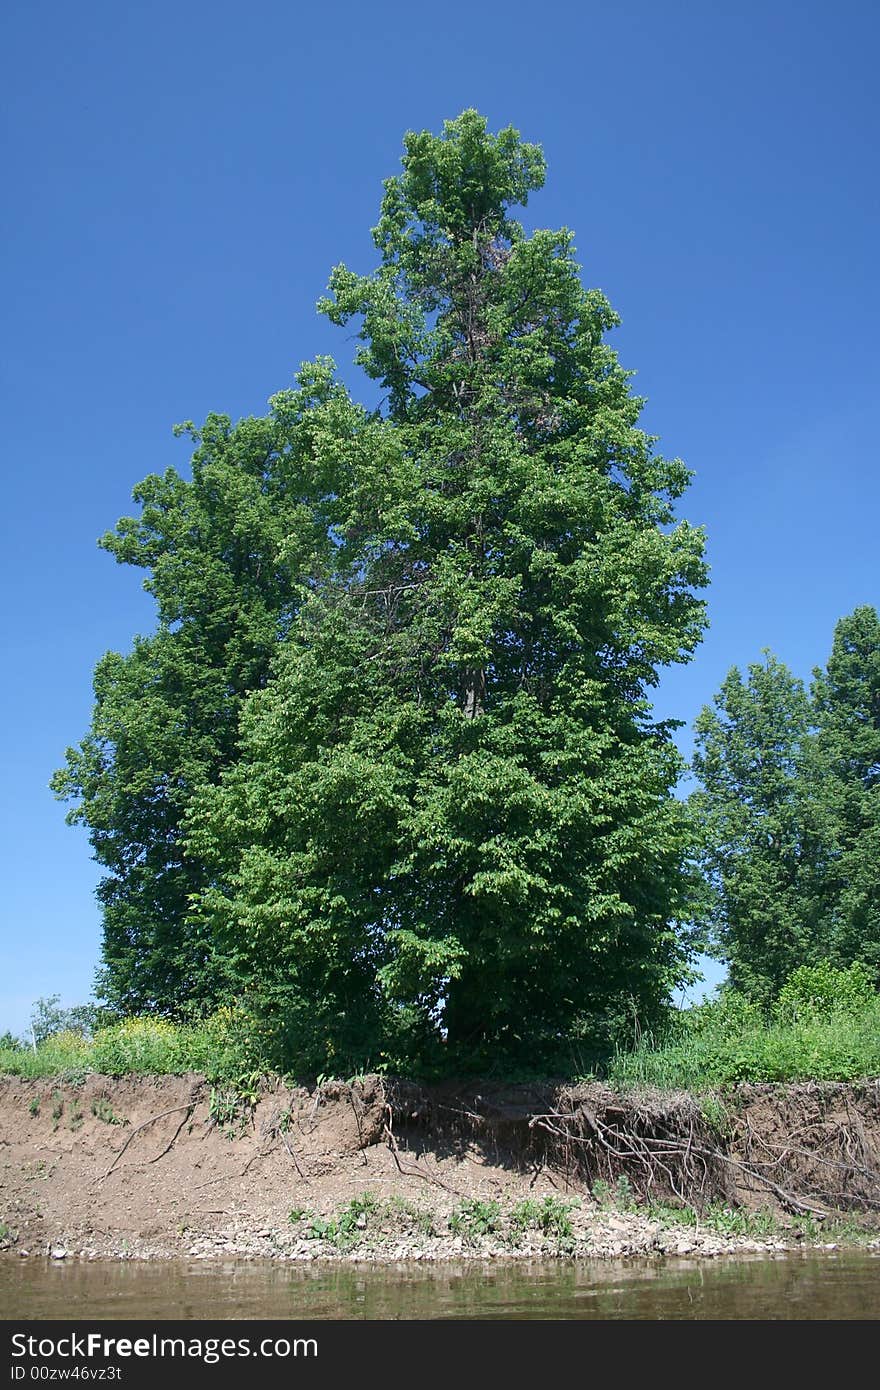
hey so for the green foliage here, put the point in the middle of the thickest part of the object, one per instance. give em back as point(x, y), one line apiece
point(453, 776)
point(225, 1047)
point(821, 991)
point(474, 1218)
point(825, 1024)
point(60, 1054)
point(228, 555)
point(845, 782)
point(48, 1019)
point(671, 1214)
point(366, 1218)
point(103, 1111)
point(349, 1226)
point(736, 1221)
point(551, 1216)
point(387, 774)
point(807, 1035)
point(624, 1199)
point(716, 1114)
point(230, 1110)
point(150, 1045)
point(789, 810)
point(728, 1017)
point(414, 1218)
point(726, 1221)
point(749, 758)
point(616, 1197)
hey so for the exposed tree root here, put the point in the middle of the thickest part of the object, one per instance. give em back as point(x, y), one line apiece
point(175, 1109)
point(812, 1149)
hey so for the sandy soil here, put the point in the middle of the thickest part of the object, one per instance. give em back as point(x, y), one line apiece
point(157, 1167)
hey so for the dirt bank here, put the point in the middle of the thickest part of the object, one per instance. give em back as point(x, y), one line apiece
point(154, 1167)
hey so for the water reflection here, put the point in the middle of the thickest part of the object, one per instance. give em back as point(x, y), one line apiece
point(843, 1284)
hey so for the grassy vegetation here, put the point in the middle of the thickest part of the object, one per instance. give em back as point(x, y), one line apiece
point(366, 1218)
point(222, 1047)
point(555, 1223)
point(825, 1025)
point(103, 1110)
point(551, 1216)
point(761, 1225)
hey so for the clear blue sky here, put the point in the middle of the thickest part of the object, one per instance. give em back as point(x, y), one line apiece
point(180, 178)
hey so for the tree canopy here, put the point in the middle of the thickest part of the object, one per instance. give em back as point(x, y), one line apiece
point(846, 697)
point(790, 813)
point(749, 756)
point(388, 769)
point(225, 552)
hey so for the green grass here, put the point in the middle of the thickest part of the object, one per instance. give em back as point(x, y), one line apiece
point(855, 1229)
point(366, 1219)
point(221, 1047)
point(719, 1044)
point(824, 1026)
point(103, 1110)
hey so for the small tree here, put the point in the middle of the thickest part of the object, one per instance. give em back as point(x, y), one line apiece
point(49, 1018)
point(790, 813)
point(846, 782)
point(756, 854)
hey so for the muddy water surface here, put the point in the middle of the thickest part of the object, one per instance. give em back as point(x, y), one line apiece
point(842, 1284)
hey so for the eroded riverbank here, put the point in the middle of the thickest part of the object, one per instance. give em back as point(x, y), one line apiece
point(151, 1168)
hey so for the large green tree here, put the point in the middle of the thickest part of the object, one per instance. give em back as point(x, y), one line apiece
point(229, 553)
point(452, 815)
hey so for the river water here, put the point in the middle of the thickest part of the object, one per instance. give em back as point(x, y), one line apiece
point(840, 1284)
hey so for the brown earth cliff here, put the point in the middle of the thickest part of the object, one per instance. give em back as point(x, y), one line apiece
point(153, 1167)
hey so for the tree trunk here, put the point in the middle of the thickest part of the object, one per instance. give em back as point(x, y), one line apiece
point(474, 693)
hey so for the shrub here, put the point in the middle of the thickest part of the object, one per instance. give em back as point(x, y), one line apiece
point(473, 1218)
point(348, 1227)
point(551, 1216)
point(139, 1045)
point(821, 991)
